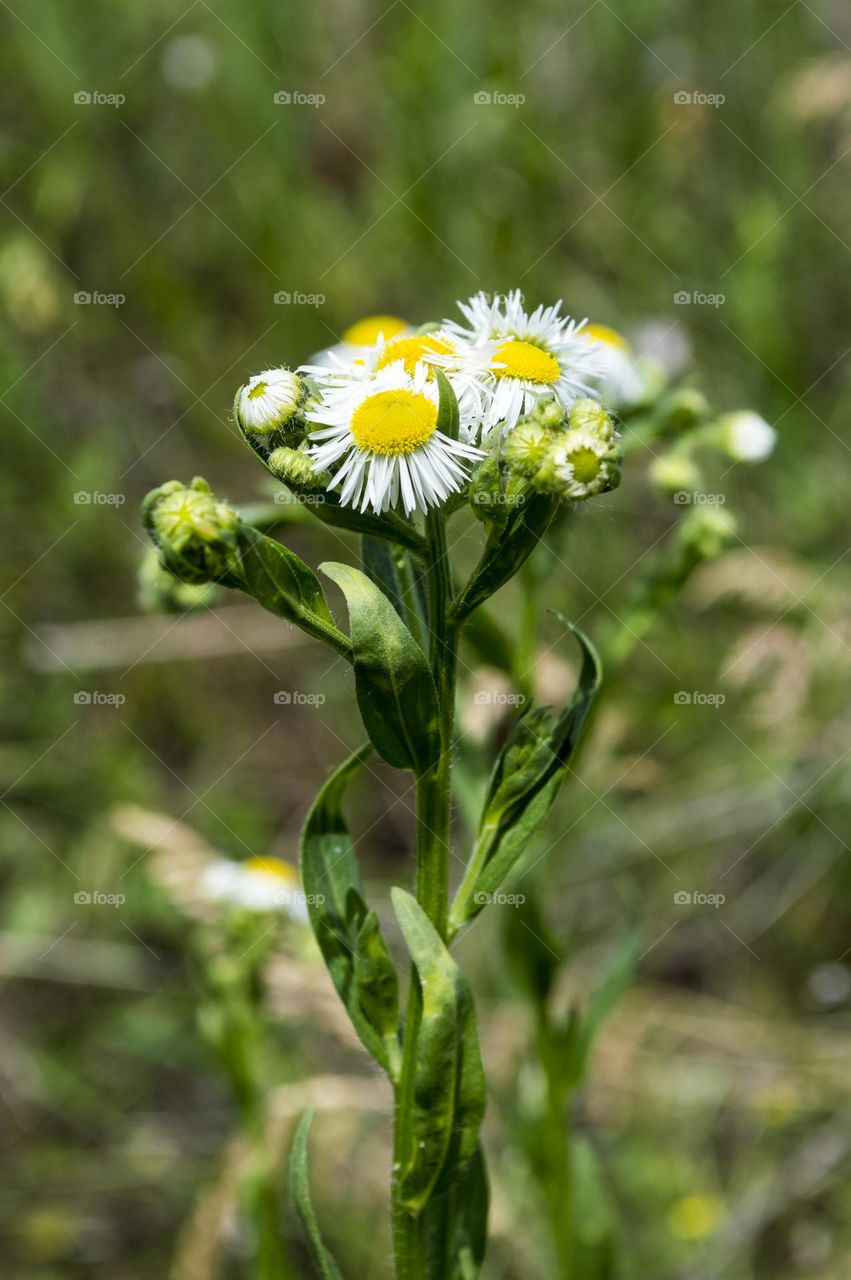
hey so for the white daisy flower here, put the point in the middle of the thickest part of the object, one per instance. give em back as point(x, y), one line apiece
point(530, 354)
point(359, 338)
point(621, 377)
point(257, 884)
point(379, 437)
point(747, 437)
point(269, 400)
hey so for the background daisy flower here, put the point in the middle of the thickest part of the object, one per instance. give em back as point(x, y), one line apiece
point(380, 439)
point(530, 354)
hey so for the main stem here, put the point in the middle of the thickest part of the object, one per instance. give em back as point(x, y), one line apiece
point(434, 814)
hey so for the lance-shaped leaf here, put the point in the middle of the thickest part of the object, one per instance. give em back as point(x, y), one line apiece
point(393, 682)
point(525, 780)
point(395, 571)
point(507, 549)
point(470, 1201)
point(442, 1090)
point(284, 585)
point(303, 1205)
point(348, 934)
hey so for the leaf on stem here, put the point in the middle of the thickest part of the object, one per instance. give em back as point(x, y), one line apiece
point(280, 581)
point(448, 415)
point(443, 1104)
point(525, 780)
point(346, 930)
point(393, 682)
point(510, 545)
point(302, 1203)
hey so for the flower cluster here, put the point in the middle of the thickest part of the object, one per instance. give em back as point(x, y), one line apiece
point(573, 455)
point(363, 419)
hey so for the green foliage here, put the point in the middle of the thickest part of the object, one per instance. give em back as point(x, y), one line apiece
point(445, 1085)
point(524, 782)
point(394, 685)
point(300, 1195)
point(347, 931)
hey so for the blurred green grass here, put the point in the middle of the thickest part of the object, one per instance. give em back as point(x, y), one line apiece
point(198, 198)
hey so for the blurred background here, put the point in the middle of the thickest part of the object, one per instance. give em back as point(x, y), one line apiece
point(169, 227)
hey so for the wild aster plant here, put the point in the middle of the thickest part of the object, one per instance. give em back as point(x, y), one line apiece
point(387, 436)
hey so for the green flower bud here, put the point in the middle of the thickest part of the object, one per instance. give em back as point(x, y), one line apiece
point(526, 447)
point(269, 401)
point(589, 415)
point(684, 409)
point(295, 468)
point(549, 413)
point(160, 592)
point(195, 533)
point(708, 531)
point(579, 465)
point(675, 473)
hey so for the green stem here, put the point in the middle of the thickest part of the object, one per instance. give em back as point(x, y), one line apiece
point(434, 814)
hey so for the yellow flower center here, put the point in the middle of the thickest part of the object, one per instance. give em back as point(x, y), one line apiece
point(394, 422)
point(411, 350)
point(272, 867)
point(602, 333)
point(524, 360)
point(586, 465)
point(259, 389)
point(366, 332)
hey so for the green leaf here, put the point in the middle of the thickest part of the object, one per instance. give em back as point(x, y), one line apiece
point(581, 1032)
point(393, 682)
point(400, 577)
point(285, 585)
point(508, 548)
point(302, 1203)
point(448, 416)
point(346, 930)
point(525, 780)
point(471, 1203)
point(446, 1092)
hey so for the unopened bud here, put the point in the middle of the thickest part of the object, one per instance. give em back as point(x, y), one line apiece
point(745, 436)
point(295, 468)
point(708, 531)
point(675, 473)
point(195, 533)
point(527, 446)
point(268, 401)
point(578, 466)
point(589, 415)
